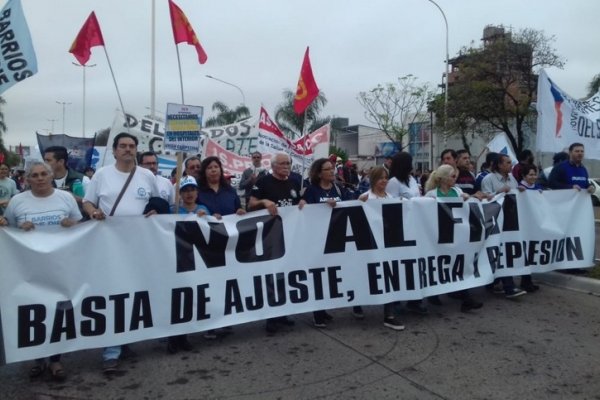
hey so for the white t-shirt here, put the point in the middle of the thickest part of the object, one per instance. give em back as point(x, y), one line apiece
point(165, 189)
point(41, 211)
point(107, 182)
point(371, 195)
point(396, 189)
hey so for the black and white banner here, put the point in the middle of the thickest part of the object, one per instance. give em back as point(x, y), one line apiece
point(133, 278)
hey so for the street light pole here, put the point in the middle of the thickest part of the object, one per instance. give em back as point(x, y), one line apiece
point(230, 84)
point(447, 70)
point(83, 112)
point(64, 103)
point(52, 129)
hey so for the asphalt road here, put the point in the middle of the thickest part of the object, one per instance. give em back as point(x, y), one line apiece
point(540, 346)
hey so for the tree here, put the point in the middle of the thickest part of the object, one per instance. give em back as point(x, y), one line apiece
point(8, 157)
point(393, 106)
point(594, 86)
point(495, 84)
point(226, 115)
point(291, 123)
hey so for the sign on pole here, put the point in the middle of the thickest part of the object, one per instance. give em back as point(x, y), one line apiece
point(182, 129)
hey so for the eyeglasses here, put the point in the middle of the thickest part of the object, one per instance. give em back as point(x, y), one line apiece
point(39, 174)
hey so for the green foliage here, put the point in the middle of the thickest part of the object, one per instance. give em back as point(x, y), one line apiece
point(594, 86)
point(393, 106)
point(291, 123)
point(338, 152)
point(495, 85)
point(226, 115)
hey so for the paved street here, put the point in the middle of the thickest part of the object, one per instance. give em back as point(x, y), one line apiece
point(540, 346)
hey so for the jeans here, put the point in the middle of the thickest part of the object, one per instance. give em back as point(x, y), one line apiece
point(111, 353)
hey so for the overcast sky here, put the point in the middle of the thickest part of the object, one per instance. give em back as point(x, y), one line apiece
point(259, 44)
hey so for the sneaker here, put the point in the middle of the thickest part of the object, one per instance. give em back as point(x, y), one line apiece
point(172, 347)
point(184, 344)
point(285, 321)
point(470, 304)
point(210, 335)
point(435, 300)
point(392, 323)
point(357, 311)
point(417, 307)
point(271, 326)
point(514, 293)
point(319, 324)
point(497, 289)
point(127, 352)
point(530, 288)
point(110, 366)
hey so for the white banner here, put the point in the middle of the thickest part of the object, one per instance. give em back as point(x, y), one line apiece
point(240, 138)
point(133, 278)
point(563, 120)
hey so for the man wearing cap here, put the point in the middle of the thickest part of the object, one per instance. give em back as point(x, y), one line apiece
point(138, 185)
point(251, 175)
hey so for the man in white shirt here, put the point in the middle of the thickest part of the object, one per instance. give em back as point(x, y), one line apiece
point(102, 195)
point(166, 191)
point(501, 180)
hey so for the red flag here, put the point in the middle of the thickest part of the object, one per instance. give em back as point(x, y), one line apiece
point(307, 89)
point(1, 158)
point(89, 36)
point(183, 31)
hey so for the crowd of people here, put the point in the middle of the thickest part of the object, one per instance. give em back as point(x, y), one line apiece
point(58, 195)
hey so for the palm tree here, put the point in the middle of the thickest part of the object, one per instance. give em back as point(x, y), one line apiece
point(2, 126)
point(291, 123)
point(594, 86)
point(226, 115)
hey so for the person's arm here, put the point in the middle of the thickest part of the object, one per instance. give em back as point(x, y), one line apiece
point(258, 204)
point(92, 211)
point(558, 178)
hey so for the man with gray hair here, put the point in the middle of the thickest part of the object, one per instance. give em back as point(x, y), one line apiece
point(270, 192)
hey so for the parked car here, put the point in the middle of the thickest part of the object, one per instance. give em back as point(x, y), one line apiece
point(596, 195)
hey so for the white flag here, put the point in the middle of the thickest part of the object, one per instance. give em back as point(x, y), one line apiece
point(563, 120)
point(500, 144)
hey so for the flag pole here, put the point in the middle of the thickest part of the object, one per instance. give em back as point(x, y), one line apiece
point(117, 88)
point(303, 148)
point(180, 75)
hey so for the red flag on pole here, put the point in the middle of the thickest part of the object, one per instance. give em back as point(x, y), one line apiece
point(183, 31)
point(307, 89)
point(89, 36)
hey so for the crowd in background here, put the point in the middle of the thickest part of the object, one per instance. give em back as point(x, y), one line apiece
point(51, 193)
